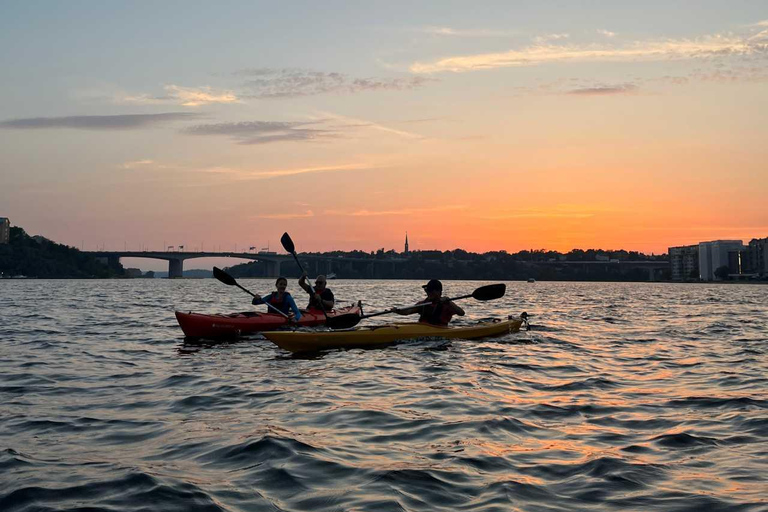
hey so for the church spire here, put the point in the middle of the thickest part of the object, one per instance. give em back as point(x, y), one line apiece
point(406, 243)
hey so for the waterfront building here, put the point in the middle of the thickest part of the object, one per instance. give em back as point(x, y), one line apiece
point(5, 230)
point(756, 261)
point(714, 254)
point(684, 262)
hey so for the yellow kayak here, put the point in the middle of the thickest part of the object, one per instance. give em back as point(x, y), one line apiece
point(296, 341)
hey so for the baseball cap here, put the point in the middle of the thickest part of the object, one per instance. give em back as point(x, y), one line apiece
point(433, 284)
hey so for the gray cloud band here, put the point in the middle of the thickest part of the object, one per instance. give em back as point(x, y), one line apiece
point(114, 122)
point(263, 132)
point(289, 83)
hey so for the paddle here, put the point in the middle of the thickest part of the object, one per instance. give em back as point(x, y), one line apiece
point(334, 322)
point(291, 248)
point(230, 281)
point(487, 292)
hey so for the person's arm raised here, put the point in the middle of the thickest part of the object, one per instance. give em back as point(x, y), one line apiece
point(304, 285)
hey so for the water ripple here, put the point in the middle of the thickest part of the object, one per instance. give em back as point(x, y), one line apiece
point(623, 396)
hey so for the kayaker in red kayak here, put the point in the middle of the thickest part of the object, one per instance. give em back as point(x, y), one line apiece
point(280, 299)
point(320, 297)
point(436, 309)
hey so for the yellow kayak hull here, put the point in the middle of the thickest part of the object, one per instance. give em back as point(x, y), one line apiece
point(296, 341)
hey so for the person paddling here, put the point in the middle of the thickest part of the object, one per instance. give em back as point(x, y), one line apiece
point(280, 299)
point(320, 297)
point(435, 309)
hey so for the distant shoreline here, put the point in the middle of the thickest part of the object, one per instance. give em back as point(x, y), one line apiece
point(747, 282)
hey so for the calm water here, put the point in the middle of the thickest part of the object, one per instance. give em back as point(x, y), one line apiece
point(621, 397)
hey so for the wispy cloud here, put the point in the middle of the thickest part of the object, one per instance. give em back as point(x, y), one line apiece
point(550, 37)
point(291, 83)
point(311, 170)
point(360, 123)
point(236, 174)
point(606, 33)
point(760, 37)
point(285, 216)
point(137, 164)
point(184, 96)
point(402, 211)
point(735, 72)
point(460, 32)
point(116, 122)
point(264, 132)
point(670, 49)
point(605, 90)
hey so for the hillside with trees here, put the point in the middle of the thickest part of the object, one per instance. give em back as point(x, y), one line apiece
point(39, 257)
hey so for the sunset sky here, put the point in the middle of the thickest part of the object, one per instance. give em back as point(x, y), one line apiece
point(480, 125)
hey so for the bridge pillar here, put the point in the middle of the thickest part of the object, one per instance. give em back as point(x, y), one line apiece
point(175, 268)
point(272, 268)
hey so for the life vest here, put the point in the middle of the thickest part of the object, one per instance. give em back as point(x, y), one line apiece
point(313, 304)
point(436, 313)
point(282, 305)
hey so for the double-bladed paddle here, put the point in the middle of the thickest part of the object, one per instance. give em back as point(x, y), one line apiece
point(487, 292)
point(230, 281)
point(334, 322)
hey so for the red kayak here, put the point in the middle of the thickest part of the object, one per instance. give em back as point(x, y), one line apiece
point(197, 325)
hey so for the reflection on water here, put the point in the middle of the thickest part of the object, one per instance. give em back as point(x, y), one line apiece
point(621, 397)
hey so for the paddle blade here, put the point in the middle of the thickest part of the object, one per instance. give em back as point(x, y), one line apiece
point(287, 243)
point(343, 321)
point(224, 277)
point(490, 292)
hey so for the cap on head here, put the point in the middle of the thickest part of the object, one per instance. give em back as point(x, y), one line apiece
point(433, 285)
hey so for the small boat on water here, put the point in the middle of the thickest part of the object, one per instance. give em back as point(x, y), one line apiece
point(531, 280)
point(296, 341)
point(331, 276)
point(198, 325)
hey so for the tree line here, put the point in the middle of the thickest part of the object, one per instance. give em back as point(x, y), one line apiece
point(461, 264)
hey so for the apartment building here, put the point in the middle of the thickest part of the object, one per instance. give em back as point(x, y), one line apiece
point(5, 230)
point(684, 262)
point(755, 256)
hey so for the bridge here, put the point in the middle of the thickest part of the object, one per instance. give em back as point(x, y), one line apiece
point(313, 263)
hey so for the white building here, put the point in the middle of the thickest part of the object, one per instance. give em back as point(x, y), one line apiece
point(5, 230)
point(714, 254)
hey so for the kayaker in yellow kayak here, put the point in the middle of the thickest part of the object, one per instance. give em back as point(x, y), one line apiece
point(320, 297)
point(435, 309)
point(280, 299)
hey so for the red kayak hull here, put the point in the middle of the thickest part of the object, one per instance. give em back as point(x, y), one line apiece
point(198, 325)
